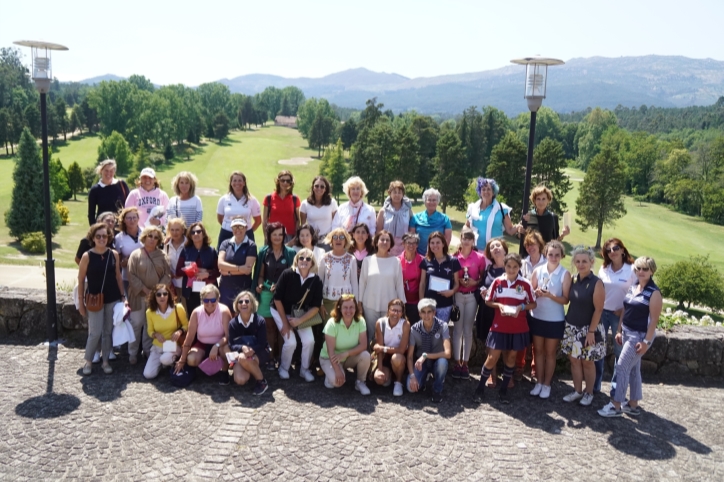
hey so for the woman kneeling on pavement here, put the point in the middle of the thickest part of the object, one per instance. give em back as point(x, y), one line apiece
point(345, 345)
point(167, 321)
point(247, 339)
point(206, 337)
point(429, 350)
point(636, 332)
point(511, 295)
point(392, 335)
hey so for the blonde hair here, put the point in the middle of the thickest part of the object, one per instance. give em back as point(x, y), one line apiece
point(177, 221)
point(354, 181)
point(336, 232)
point(645, 262)
point(210, 289)
point(189, 177)
point(147, 232)
point(246, 293)
point(309, 254)
point(103, 164)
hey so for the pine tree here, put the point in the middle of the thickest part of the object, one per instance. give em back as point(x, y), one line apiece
point(549, 161)
point(334, 168)
point(507, 167)
point(75, 179)
point(59, 184)
point(26, 213)
point(115, 147)
point(600, 199)
point(450, 173)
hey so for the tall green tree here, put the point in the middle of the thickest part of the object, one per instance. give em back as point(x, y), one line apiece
point(32, 119)
point(61, 116)
point(507, 167)
point(246, 113)
point(115, 147)
point(427, 132)
point(141, 82)
point(471, 133)
point(348, 133)
point(600, 199)
point(221, 126)
point(75, 179)
point(334, 168)
point(4, 128)
point(590, 132)
point(294, 98)
point(26, 213)
point(77, 119)
point(373, 157)
point(495, 126)
point(59, 182)
point(450, 173)
point(549, 162)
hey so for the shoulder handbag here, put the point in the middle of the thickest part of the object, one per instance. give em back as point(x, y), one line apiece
point(298, 312)
point(95, 302)
point(455, 313)
point(182, 338)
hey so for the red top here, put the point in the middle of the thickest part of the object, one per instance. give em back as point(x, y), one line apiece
point(283, 210)
point(475, 262)
point(411, 277)
point(509, 293)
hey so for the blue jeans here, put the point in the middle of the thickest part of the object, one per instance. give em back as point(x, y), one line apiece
point(608, 320)
point(439, 370)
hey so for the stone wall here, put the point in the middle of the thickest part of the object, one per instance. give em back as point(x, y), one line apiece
point(684, 350)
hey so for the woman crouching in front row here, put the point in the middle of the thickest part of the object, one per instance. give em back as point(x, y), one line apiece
point(247, 338)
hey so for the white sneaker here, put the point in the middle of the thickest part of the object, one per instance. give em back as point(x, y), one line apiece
point(545, 391)
point(327, 384)
point(283, 374)
point(397, 391)
point(111, 356)
point(361, 387)
point(536, 390)
point(572, 397)
point(97, 357)
point(609, 411)
point(587, 399)
point(307, 375)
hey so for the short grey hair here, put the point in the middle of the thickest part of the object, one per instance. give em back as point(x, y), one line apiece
point(355, 181)
point(426, 303)
point(587, 250)
point(430, 192)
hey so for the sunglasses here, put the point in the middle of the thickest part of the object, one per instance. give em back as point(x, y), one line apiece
point(209, 300)
point(643, 268)
point(101, 236)
point(155, 237)
point(196, 231)
point(285, 181)
point(305, 258)
point(161, 294)
point(320, 186)
point(339, 237)
point(614, 249)
point(243, 302)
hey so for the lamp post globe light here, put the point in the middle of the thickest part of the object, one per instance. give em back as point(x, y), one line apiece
point(43, 75)
point(536, 77)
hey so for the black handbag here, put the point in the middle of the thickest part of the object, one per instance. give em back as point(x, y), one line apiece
point(455, 313)
point(183, 378)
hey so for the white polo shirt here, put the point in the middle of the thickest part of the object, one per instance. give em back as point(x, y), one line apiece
point(616, 284)
point(231, 207)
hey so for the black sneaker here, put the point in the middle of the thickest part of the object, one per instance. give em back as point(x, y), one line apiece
point(479, 395)
point(436, 397)
point(504, 398)
point(260, 387)
point(224, 378)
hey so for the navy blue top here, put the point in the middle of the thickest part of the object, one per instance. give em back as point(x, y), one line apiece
point(636, 307)
point(253, 336)
point(445, 270)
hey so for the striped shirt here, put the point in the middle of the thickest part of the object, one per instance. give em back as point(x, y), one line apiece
point(636, 306)
point(510, 293)
point(429, 341)
point(190, 210)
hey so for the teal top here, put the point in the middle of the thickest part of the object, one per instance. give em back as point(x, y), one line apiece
point(425, 225)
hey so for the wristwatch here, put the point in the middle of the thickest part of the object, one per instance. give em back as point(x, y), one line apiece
point(647, 342)
point(384, 349)
point(218, 345)
point(424, 355)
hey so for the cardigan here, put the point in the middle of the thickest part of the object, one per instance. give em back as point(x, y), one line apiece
point(146, 270)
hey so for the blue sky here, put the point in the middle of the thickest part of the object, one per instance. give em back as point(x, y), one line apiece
point(194, 42)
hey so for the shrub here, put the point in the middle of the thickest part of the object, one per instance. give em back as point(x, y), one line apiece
point(413, 191)
point(694, 280)
point(89, 177)
point(64, 213)
point(33, 243)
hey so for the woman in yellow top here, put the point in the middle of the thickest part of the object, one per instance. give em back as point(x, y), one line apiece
point(166, 320)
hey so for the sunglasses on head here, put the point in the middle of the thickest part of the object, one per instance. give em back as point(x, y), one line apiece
point(243, 302)
point(209, 300)
point(346, 297)
point(161, 294)
point(614, 249)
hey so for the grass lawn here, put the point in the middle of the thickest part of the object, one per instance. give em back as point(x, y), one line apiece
point(648, 229)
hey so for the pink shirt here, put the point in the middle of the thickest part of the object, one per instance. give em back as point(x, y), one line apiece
point(411, 277)
point(209, 329)
point(475, 262)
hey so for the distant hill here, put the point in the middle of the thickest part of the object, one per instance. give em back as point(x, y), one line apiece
point(652, 80)
point(101, 78)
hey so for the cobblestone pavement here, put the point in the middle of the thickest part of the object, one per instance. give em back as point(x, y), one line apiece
point(59, 425)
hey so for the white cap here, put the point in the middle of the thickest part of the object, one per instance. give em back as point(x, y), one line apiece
point(147, 171)
point(238, 222)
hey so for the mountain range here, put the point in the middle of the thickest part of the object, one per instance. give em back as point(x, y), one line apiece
point(652, 80)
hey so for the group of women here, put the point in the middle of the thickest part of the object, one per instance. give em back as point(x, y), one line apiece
point(345, 283)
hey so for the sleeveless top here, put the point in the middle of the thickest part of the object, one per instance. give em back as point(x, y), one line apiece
point(636, 307)
point(580, 309)
point(96, 268)
point(547, 309)
point(391, 336)
point(209, 329)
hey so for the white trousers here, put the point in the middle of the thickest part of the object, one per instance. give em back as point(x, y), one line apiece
point(290, 344)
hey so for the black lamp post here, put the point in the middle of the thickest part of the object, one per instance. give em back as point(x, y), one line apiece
point(536, 72)
point(43, 76)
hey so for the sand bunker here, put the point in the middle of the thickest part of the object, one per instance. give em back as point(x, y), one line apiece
point(296, 161)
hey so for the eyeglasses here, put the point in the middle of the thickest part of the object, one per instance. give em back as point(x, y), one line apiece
point(339, 237)
point(131, 218)
point(197, 231)
point(155, 237)
point(161, 294)
point(243, 302)
point(209, 300)
point(614, 249)
point(285, 181)
point(101, 236)
point(305, 258)
point(397, 311)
